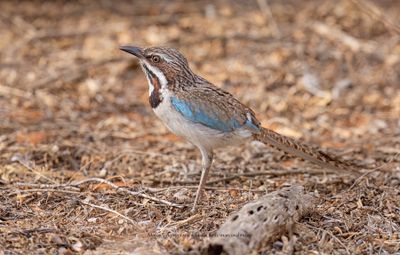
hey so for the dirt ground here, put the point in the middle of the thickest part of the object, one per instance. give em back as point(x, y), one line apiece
point(86, 167)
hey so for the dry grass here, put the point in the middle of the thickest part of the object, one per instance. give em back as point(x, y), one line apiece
point(74, 108)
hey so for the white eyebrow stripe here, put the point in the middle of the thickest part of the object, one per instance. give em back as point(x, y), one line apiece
point(166, 57)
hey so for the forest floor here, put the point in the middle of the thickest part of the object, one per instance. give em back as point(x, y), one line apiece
point(86, 167)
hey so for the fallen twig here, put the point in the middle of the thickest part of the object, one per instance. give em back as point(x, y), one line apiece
point(133, 193)
point(332, 235)
point(34, 171)
point(28, 232)
point(271, 172)
point(194, 187)
point(43, 190)
point(108, 210)
point(249, 174)
point(396, 156)
point(45, 186)
point(186, 221)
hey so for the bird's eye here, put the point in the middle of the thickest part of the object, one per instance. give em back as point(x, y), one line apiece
point(155, 58)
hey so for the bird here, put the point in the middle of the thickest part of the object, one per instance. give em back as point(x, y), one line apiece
point(208, 116)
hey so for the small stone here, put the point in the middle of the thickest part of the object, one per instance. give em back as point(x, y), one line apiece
point(92, 220)
point(103, 173)
point(77, 246)
point(55, 148)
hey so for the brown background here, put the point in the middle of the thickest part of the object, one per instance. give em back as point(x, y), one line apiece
point(74, 107)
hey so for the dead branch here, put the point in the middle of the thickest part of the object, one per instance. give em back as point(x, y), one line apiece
point(45, 186)
point(273, 173)
point(190, 220)
point(108, 210)
point(33, 170)
point(124, 190)
point(332, 235)
point(43, 190)
point(28, 232)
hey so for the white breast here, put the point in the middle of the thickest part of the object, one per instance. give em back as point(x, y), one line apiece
point(196, 133)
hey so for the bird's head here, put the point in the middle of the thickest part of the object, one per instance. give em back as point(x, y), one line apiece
point(165, 64)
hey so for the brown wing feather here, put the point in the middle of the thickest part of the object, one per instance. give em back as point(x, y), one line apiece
point(217, 102)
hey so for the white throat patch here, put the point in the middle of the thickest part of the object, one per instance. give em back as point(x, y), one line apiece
point(161, 77)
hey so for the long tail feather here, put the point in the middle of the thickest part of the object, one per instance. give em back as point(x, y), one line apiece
point(303, 151)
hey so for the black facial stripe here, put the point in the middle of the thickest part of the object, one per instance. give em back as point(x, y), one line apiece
point(150, 76)
point(148, 72)
point(155, 98)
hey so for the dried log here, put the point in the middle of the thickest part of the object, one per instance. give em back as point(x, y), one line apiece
point(260, 222)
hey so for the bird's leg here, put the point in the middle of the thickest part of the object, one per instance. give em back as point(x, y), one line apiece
point(206, 161)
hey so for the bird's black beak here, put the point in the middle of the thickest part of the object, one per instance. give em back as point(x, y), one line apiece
point(136, 51)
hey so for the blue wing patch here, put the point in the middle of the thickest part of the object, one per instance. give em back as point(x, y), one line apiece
point(201, 115)
point(251, 125)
